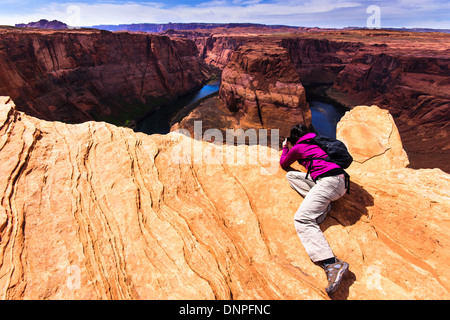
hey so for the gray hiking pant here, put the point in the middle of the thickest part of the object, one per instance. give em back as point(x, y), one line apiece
point(318, 196)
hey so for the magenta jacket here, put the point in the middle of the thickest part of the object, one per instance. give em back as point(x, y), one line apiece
point(303, 150)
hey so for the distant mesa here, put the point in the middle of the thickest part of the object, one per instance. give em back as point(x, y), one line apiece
point(154, 27)
point(173, 27)
point(44, 24)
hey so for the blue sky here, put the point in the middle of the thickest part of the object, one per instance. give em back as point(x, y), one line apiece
point(311, 13)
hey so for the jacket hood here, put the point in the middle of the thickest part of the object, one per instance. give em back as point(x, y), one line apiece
point(306, 137)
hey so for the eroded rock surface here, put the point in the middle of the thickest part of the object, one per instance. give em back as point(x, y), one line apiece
point(372, 136)
point(94, 211)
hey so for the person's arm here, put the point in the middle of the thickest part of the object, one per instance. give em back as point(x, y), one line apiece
point(289, 155)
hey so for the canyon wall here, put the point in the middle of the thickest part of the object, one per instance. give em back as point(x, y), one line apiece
point(319, 61)
point(261, 85)
point(95, 211)
point(406, 73)
point(83, 75)
point(218, 51)
point(414, 85)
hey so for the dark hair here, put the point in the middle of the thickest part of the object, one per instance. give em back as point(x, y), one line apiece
point(297, 132)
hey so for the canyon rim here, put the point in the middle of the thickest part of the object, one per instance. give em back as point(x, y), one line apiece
point(93, 210)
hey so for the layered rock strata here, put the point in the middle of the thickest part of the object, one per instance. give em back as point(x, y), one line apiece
point(218, 50)
point(94, 211)
point(262, 86)
point(406, 73)
point(83, 75)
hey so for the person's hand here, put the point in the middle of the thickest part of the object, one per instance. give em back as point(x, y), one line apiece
point(285, 143)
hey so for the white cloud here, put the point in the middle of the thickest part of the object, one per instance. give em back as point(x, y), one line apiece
point(214, 11)
point(246, 2)
point(220, 11)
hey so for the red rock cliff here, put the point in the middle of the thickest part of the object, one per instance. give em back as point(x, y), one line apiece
point(75, 76)
point(262, 85)
point(404, 72)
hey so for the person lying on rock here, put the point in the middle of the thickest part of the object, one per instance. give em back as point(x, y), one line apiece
point(325, 182)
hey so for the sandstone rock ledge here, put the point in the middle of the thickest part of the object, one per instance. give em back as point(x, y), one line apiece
point(93, 211)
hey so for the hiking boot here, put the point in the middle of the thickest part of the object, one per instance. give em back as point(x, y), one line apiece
point(335, 272)
point(321, 219)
